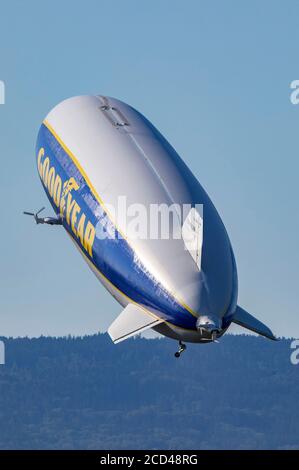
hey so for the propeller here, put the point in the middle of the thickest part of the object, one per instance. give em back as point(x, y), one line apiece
point(36, 218)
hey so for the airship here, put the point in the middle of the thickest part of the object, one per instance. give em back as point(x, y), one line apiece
point(94, 152)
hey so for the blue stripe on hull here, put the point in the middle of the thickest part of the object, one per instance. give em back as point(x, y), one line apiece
point(113, 257)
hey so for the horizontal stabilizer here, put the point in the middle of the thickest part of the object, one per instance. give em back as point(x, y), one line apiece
point(132, 321)
point(244, 319)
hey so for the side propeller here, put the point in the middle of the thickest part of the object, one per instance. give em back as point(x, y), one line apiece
point(37, 219)
point(44, 220)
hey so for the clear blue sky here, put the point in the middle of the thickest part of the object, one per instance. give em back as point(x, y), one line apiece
point(214, 77)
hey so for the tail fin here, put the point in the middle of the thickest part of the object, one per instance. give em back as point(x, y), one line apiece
point(132, 321)
point(243, 318)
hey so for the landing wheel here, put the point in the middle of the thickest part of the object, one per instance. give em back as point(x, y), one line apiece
point(182, 348)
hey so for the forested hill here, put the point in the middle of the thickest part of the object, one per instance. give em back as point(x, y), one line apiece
point(86, 393)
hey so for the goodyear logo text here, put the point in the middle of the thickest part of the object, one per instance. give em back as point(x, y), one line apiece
point(62, 195)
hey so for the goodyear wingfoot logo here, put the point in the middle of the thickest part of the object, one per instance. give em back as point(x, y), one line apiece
point(62, 194)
